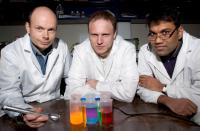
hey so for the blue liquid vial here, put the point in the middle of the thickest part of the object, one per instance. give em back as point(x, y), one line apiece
point(91, 112)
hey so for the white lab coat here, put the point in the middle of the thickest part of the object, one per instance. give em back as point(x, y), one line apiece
point(119, 75)
point(21, 78)
point(185, 81)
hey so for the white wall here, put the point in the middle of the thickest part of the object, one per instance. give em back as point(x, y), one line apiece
point(72, 33)
point(76, 33)
point(140, 31)
point(9, 33)
point(193, 29)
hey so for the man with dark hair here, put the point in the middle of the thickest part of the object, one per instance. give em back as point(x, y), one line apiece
point(32, 67)
point(104, 62)
point(169, 65)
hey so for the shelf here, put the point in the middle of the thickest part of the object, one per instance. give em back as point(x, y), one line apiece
point(15, 13)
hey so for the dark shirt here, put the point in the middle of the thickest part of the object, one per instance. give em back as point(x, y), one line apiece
point(170, 60)
point(42, 57)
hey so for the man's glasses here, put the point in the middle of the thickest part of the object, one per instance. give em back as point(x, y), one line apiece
point(164, 35)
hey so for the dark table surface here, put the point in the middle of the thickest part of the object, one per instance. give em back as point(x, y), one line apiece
point(135, 116)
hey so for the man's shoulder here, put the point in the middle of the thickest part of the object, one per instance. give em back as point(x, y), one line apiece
point(146, 47)
point(123, 44)
point(83, 46)
point(61, 43)
point(13, 50)
point(13, 46)
point(191, 42)
point(146, 51)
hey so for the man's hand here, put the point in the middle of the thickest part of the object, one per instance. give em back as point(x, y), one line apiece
point(35, 120)
point(150, 83)
point(182, 106)
point(92, 83)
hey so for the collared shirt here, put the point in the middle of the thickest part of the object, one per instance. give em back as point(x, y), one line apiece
point(42, 57)
point(170, 60)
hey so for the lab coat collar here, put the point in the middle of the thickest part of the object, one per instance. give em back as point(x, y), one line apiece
point(180, 62)
point(181, 58)
point(26, 42)
point(155, 60)
point(104, 70)
point(52, 57)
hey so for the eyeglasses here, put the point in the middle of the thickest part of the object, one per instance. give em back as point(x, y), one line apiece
point(163, 35)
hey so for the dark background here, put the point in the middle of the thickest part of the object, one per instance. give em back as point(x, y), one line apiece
point(13, 12)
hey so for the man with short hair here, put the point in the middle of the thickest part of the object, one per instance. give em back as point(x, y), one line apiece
point(104, 62)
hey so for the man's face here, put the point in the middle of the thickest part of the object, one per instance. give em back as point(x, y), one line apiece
point(42, 29)
point(166, 37)
point(101, 35)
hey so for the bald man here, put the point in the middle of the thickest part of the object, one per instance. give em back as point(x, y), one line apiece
point(32, 67)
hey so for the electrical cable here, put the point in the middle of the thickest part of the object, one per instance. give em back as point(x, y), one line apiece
point(158, 113)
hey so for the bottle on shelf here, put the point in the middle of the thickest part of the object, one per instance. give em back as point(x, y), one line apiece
point(59, 10)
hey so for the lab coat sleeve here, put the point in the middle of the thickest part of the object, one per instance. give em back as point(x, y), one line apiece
point(144, 69)
point(124, 88)
point(10, 79)
point(67, 62)
point(76, 77)
point(192, 90)
point(189, 87)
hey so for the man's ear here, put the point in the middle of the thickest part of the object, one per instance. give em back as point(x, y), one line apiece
point(27, 26)
point(180, 32)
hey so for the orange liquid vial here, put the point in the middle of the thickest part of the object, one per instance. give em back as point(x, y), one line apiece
point(76, 118)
